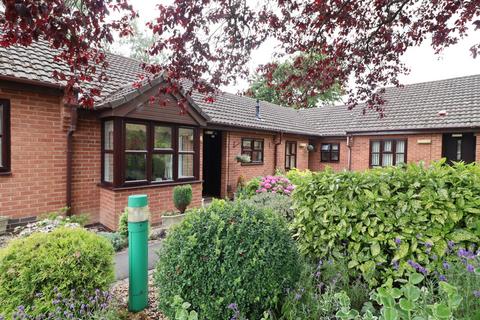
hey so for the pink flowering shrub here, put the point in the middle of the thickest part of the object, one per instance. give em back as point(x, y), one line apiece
point(275, 184)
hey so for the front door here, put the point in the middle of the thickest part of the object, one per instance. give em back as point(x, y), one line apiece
point(459, 147)
point(212, 163)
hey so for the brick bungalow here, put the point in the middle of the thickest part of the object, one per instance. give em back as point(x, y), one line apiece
point(53, 155)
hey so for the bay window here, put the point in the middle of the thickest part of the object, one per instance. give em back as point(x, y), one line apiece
point(4, 136)
point(387, 152)
point(146, 152)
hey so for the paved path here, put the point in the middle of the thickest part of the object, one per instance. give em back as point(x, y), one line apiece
point(121, 260)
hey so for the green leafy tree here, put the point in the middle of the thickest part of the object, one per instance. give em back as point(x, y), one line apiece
point(295, 69)
point(139, 43)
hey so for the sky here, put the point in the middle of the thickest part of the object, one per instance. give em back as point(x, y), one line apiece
point(423, 63)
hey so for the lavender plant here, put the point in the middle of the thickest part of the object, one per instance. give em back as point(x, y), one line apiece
point(74, 306)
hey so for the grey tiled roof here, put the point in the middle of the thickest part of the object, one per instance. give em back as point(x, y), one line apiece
point(239, 111)
point(36, 63)
point(412, 107)
point(329, 120)
point(417, 107)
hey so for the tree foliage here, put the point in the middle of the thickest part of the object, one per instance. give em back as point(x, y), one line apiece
point(139, 42)
point(299, 95)
point(211, 41)
point(78, 29)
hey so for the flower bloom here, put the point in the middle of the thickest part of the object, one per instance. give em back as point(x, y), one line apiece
point(417, 267)
point(463, 253)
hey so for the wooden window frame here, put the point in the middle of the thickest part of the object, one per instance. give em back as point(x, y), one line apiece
point(178, 153)
point(5, 167)
point(252, 149)
point(330, 144)
point(119, 161)
point(105, 151)
point(288, 156)
point(393, 152)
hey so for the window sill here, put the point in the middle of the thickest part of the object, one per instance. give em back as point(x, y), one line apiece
point(5, 173)
point(330, 161)
point(252, 164)
point(149, 185)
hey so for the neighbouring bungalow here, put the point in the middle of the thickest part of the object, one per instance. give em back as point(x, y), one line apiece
point(53, 155)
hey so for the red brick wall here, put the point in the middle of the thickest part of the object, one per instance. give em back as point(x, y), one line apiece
point(302, 152)
point(314, 162)
point(113, 203)
point(38, 155)
point(86, 166)
point(232, 170)
point(415, 152)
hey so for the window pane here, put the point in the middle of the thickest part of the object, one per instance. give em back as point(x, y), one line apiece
point(292, 163)
point(163, 138)
point(325, 147)
point(185, 165)
point(459, 149)
point(257, 144)
point(185, 139)
point(292, 148)
point(162, 167)
point(376, 146)
point(399, 158)
point(335, 146)
point(1, 153)
point(387, 146)
point(108, 135)
point(400, 148)
point(108, 167)
point(387, 159)
point(247, 143)
point(257, 156)
point(1, 120)
point(335, 156)
point(375, 159)
point(136, 136)
point(135, 166)
point(326, 156)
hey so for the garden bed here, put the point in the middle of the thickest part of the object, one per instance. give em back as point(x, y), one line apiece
point(120, 294)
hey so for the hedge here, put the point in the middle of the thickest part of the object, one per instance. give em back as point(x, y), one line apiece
point(382, 218)
point(37, 270)
point(229, 254)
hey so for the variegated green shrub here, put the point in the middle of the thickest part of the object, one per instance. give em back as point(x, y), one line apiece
point(382, 218)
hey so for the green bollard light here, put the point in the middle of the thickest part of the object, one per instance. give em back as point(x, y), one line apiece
point(138, 213)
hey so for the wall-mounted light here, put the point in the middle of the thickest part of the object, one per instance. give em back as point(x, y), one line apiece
point(302, 145)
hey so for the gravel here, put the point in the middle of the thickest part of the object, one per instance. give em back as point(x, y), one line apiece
point(120, 293)
point(5, 238)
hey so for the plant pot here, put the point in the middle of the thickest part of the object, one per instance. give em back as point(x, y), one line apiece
point(3, 225)
point(169, 221)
